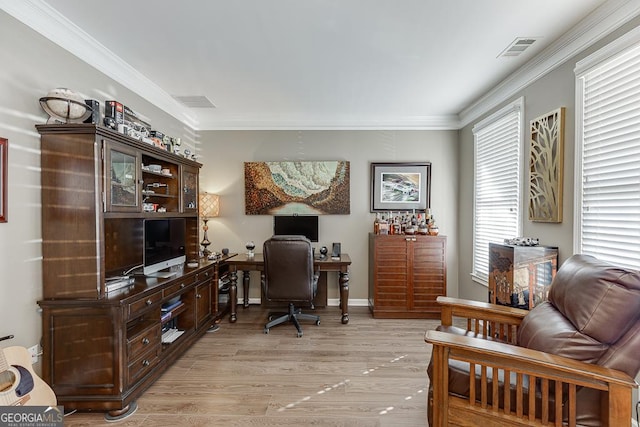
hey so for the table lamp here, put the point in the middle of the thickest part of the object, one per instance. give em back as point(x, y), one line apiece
point(209, 205)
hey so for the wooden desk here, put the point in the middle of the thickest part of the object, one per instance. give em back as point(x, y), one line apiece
point(247, 264)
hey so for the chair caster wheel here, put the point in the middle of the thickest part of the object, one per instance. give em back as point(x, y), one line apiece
point(299, 334)
point(317, 323)
point(266, 331)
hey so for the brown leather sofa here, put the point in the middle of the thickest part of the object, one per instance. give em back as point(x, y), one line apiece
point(575, 354)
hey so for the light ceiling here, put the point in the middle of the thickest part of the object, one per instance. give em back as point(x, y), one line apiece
point(301, 64)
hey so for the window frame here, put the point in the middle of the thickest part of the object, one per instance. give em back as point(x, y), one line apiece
point(517, 107)
point(596, 62)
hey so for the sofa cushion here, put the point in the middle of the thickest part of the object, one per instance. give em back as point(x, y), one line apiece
point(599, 299)
point(546, 329)
point(620, 357)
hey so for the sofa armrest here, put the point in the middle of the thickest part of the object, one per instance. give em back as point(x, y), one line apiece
point(482, 318)
point(553, 374)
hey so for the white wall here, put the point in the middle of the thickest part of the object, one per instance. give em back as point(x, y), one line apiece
point(225, 152)
point(31, 66)
point(555, 89)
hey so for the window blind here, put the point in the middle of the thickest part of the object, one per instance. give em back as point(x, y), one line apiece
point(608, 163)
point(497, 184)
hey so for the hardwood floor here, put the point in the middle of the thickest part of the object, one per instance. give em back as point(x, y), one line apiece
point(369, 373)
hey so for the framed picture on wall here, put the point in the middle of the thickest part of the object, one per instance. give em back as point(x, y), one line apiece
point(297, 188)
point(4, 149)
point(400, 186)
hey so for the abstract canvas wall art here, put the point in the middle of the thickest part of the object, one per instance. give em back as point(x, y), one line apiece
point(303, 188)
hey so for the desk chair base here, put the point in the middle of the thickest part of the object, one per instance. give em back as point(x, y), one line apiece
point(292, 316)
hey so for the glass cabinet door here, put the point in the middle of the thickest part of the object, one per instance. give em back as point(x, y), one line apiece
point(189, 189)
point(122, 170)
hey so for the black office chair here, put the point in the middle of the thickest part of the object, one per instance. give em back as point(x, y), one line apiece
point(289, 277)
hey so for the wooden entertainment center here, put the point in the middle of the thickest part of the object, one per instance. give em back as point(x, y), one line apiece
point(103, 348)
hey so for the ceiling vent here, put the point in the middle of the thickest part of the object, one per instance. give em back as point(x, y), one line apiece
point(195, 101)
point(518, 46)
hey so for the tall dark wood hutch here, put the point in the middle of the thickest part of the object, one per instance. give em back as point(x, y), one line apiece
point(102, 348)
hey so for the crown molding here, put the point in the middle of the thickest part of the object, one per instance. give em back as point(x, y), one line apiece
point(600, 23)
point(42, 18)
point(449, 122)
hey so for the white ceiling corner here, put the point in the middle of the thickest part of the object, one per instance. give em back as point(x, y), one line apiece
point(62, 21)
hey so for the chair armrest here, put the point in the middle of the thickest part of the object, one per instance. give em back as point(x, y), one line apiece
point(477, 309)
point(552, 373)
point(517, 358)
point(483, 319)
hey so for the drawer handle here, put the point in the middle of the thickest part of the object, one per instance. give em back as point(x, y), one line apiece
point(145, 341)
point(148, 302)
point(145, 362)
point(181, 285)
point(198, 296)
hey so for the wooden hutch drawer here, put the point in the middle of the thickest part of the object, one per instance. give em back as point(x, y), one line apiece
point(205, 275)
point(142, 365)
point(141, 342)
point(178, 286)
point(137, 307)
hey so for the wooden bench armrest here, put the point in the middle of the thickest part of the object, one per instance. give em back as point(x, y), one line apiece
point(552, 385)
point(477, 309)
point(534, 362)
point(482, 319)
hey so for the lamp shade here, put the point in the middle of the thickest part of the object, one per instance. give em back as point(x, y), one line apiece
point(209, 205)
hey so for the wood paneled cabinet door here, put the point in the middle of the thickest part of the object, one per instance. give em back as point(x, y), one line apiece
point(203, 300)
point(406, 275)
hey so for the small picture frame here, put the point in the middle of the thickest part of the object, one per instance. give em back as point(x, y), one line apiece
point(400, 186)
point(4, 150)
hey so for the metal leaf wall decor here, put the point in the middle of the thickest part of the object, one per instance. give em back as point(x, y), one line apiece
point(546, 167)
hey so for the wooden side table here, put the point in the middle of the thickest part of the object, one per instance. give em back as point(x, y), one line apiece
point(520, 276)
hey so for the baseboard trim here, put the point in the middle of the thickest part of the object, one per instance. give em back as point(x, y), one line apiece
point(331, 302)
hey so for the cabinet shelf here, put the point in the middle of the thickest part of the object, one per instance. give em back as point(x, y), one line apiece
point(162, 196)
point(148, 172)
point(173, 313)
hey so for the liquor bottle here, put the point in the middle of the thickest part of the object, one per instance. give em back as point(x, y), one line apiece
point(396, 225)
point(383, 226)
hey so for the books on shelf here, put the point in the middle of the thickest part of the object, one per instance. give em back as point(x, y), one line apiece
point(170, 306)
point(165, 317)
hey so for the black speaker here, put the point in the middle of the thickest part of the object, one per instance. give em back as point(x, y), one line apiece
point(335, 251)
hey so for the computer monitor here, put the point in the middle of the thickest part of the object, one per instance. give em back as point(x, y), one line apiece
point(164, 244)
point(300, 225)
